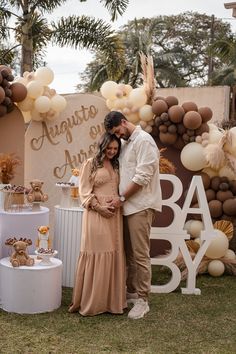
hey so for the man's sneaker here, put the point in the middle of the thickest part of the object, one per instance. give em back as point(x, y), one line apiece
point(131, 298)
point(139, 310)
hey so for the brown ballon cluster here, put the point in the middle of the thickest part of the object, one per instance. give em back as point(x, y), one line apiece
point(9, 92)
point(179, 125)
point(221, 196)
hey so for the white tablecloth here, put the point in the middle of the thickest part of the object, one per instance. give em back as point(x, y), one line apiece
point(23, 224)
point(67, 236)
point(30, 290)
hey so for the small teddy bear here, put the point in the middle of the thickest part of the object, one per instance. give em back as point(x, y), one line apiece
point(35, 194)
point(43, 240)
point(20, 256)
point(75, 180)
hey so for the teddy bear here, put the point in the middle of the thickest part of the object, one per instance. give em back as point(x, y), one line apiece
point(20, 256)
point(75, 180)
point(43, 240)
point(35, 194)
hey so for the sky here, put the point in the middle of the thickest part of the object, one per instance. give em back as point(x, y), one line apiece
point(68, 63)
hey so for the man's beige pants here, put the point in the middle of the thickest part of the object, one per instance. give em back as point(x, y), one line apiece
point(137, 229)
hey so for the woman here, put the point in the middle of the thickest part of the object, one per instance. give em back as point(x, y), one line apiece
point(100, 276)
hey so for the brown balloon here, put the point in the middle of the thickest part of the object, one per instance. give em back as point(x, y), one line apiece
point(216, 208)
point(210, 194)
point(206, 113)
point(192, 120)
point(189, 106)
point(224, 195)
point(2, 94)
point(176, 113)
point(204, 128)
point(167, 138)
point(171, 101)
point(229, 207)
point(215, 183)
point(3, 110)
point(206, 180)
point(19, 92)
point(179, 144)
point(159, 107)
point(232, 186)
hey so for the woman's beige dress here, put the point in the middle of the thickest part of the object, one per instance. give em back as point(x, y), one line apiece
point(100, 275)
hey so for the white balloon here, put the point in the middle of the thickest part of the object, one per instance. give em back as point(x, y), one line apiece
point(218, 245)
point(214, 136)
point(109, 89)
point(42, 104)
point(192, 157)
point(58, 103)
point(187, 225)
point(44, 75)
point(216, 268)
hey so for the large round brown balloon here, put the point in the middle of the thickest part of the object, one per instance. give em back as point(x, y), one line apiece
point(229, 207)
point(2, 94)
point(215, 183)
point(167, 138)
point(176, 113)
point(206, 113)
point(224, 195)
point(232, 186)
point(192, 120)
point(210, 194)
point(189, 106)
point(159, 107)
point(4, 67)
point(3, 110)
point(171, 101)
point(206, 180)
point(216, 208)
point(19, 92)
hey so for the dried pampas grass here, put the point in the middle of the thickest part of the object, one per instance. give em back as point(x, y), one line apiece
point(215, 156)
point(165, 165)
point(226, 227)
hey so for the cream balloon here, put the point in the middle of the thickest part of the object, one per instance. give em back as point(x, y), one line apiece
point(145, 113)
point(214, 136)
point(26, 105)
point(110, 103)
point(109, 89)
point(44, 75)
point(58, 103)
point(133, 118)
point(42, 104)
point(195, 228)
point(218, 245)
point(229, 254)
point(119, 103)
point(143, 124)
point(137, 97)
point(34, 89)
point(128, 89)
point(36, 115)
point(192, 157)
point(187, 225)
point(216, 268)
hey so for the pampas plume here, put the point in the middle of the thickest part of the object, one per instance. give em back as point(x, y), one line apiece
point(215, 156)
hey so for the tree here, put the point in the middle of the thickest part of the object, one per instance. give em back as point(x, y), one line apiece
point(32, 32)
point(179, 46)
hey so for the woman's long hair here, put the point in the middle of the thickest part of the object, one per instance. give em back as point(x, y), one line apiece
point(98, 159)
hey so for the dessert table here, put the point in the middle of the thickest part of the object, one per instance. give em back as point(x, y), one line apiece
point(28, 290)
point(67, 236)
point(21, 224)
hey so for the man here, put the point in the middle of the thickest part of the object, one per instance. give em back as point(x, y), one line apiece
point(140, 195)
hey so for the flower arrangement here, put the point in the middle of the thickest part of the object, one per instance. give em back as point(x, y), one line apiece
point(8, 163)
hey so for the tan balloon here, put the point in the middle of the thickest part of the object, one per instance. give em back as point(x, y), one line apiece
point(148, 129)
point(218, 245)
point(58, 103)
point(109, 89)
point(35, 89)
point(26, 105)
point(42, 104)
point(145, 113)
point(216, 268)
point(110, 103)
point(133, 118)
point(143, 124)
point(35, 115)
point(138, 97)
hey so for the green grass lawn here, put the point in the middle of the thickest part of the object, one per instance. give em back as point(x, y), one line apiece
point(175, 324)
